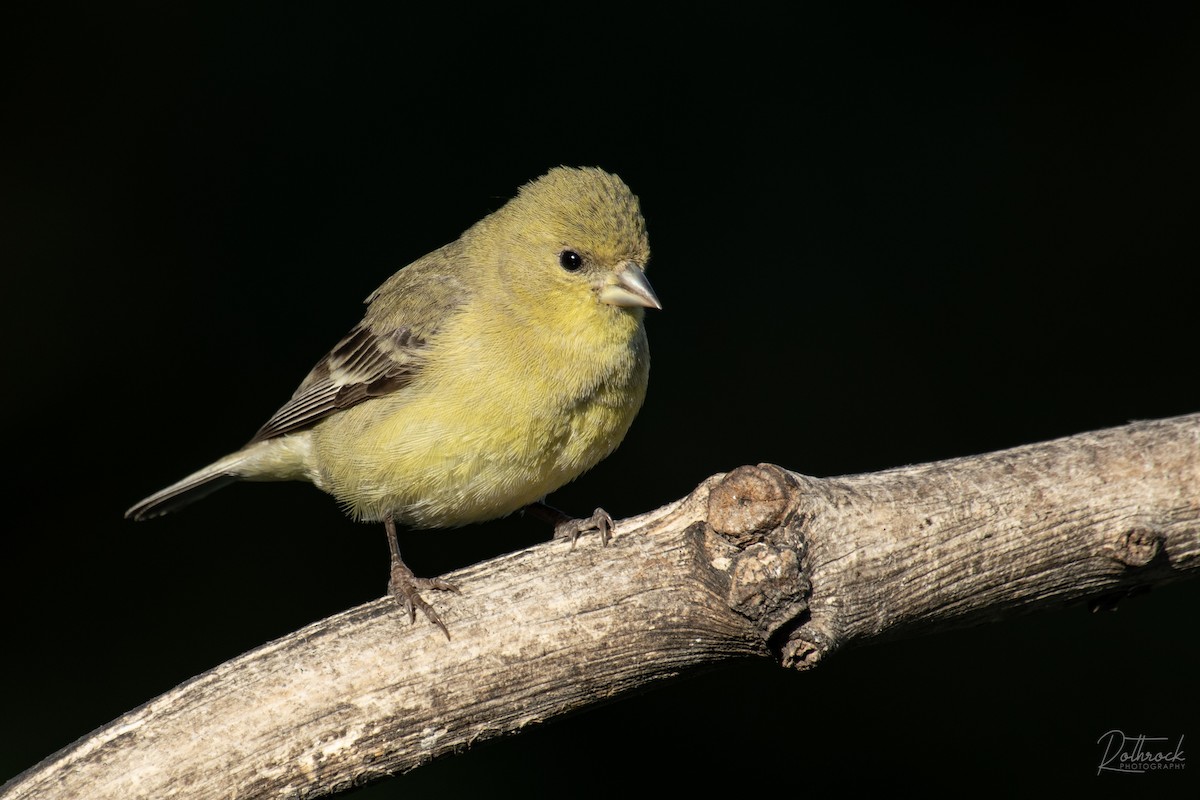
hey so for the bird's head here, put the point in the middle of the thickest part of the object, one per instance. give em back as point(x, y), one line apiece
point(573, 240)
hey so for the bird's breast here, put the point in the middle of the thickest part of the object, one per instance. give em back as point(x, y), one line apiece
point(496, 420)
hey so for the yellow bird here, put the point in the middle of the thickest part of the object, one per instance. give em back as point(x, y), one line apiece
point(482, 377)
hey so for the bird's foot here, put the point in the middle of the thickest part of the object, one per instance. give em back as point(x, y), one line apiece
point(599, 522)
point(406, 589)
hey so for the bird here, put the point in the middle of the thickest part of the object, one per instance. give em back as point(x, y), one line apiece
point(482, 377)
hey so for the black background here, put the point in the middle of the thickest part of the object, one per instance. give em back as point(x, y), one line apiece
point(882, 235)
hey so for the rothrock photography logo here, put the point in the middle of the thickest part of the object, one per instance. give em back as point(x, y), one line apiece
point(1138, 755)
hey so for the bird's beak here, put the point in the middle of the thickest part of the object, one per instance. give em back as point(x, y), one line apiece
point(627, 287)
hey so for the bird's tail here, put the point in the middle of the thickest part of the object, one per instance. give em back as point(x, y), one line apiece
point(181, 493)
point(273, 459)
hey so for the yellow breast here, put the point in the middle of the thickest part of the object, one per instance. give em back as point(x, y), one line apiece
point(497, 418)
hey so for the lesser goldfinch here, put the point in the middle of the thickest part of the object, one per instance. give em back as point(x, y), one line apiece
point(482, 377)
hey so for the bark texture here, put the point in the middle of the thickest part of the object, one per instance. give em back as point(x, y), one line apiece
point(757, 562)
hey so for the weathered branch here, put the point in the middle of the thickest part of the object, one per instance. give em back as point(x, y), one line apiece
point(757, 562)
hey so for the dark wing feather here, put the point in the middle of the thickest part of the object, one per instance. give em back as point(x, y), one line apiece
point(363, 365)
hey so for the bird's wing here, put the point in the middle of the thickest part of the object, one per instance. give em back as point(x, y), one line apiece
point(384, 352)
point(364, 364)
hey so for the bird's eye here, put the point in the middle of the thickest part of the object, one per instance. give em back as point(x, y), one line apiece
point(570, 260)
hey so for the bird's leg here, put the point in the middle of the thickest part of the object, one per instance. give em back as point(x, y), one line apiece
point(405, 587)
point(567, 528)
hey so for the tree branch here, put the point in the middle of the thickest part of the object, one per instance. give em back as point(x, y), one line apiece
point(760, 561)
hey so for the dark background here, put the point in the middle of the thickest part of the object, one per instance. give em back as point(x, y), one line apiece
point(882, 235)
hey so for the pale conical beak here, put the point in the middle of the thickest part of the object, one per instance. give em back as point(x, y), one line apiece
point(628, 288)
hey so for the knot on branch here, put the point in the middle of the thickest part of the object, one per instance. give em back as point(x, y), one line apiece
point(804, 650)
point(750, 501)
point(752, 510)
point(767, 586)
point(1137, 547)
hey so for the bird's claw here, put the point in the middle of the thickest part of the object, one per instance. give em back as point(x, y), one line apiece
point(406, 588)
point(600, 522)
